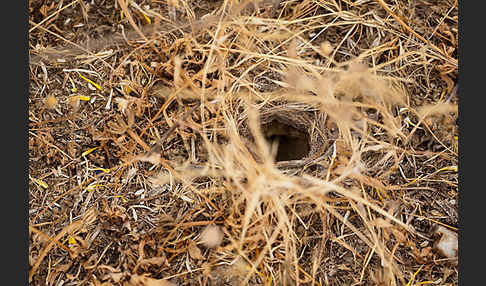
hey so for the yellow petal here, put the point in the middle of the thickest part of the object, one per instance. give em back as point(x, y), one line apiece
point(147, 18)
point(72, 241)
point(101, 169)
point(89, 151)
point(90, 81)
point(92, 187)
point(449, 168)
point(41, 183)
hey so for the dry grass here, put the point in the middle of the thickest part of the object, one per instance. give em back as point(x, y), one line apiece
point(155, 127)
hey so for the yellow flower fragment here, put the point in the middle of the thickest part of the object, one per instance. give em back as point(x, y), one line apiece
point(72, 241)
point(121, 197)
point(41, 183)
point(102, 169)
point(413, 276)
point(90, 81)
point(89, 151)
point(147, 18)
point(449, 168)
point(93, 187)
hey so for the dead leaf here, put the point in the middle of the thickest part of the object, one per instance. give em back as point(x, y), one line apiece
point(114, 274)
point(448, 81)
point(156, 261)
point(194, 251)
point(58, 270)
point(116, 277)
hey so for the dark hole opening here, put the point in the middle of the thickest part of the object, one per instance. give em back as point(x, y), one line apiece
point(293, 144)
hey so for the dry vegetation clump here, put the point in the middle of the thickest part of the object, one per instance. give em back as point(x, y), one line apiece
point(230, 142)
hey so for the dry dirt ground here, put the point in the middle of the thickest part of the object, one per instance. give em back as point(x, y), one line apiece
point(292, 142)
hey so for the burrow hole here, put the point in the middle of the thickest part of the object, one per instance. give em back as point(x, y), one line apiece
point(293, 144)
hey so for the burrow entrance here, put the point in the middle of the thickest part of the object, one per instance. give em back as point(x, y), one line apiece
point(297, 130)
point(293, 144)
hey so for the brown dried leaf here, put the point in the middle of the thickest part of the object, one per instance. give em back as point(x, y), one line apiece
point(194, 251)
point(58, 270)
point(156, 261)
point(112, 273)
point(116, 277)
